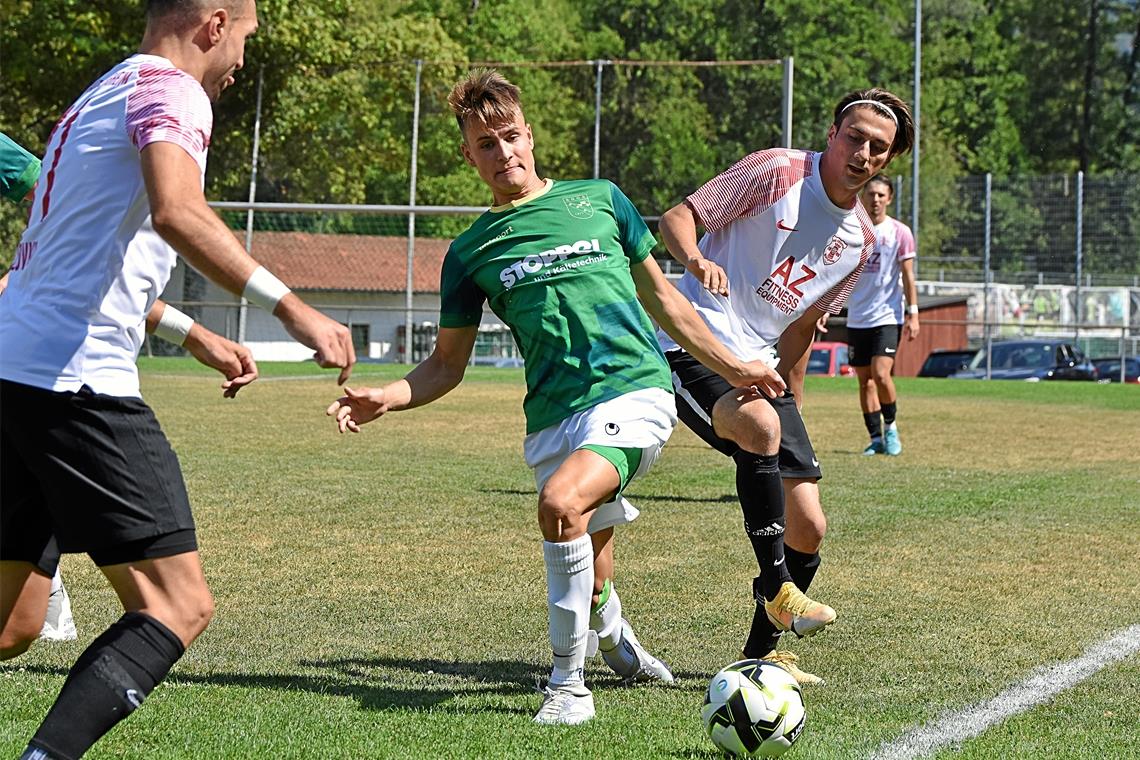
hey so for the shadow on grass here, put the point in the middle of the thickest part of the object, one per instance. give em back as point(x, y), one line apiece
point(636, 498)
point(439, 683)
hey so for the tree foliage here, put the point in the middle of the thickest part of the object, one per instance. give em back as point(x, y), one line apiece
point(1013, 88)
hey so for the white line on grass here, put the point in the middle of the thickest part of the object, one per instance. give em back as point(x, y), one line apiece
point(1041, 686)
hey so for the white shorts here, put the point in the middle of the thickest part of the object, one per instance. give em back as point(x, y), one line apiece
point(640, 420)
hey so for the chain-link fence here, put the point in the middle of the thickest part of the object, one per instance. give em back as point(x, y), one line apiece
point(1039, 230)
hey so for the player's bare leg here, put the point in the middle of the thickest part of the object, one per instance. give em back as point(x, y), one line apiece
point(872, 412)
point(24, 591)
point(887, 400)
point(167, 605)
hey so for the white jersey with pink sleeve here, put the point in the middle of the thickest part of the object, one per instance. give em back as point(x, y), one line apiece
point(783, 244)
point(878, 297)
point(89, 267)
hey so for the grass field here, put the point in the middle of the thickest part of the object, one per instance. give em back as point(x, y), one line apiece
point(382, 595)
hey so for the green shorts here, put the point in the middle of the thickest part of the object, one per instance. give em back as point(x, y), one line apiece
point(625, 461)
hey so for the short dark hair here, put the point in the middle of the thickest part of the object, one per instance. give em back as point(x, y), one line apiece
point(485, 95)
point(187, 11)
point(904, 134)
point(884, 180)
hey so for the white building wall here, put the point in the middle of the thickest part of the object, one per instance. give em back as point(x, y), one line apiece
point(383, 313)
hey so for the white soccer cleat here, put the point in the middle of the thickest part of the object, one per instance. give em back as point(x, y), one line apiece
point(630, 660)
point(59, 625)
point(566, 705)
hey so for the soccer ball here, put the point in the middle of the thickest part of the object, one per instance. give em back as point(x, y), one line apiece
point(753, 709)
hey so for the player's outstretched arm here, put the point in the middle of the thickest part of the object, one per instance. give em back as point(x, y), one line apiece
point(180, 215)
point(795, 343)
point(678, 318)
point(431, 379)
point(233, 360)
point(679, 232)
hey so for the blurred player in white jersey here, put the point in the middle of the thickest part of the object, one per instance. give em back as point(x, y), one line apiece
point(85, 466)
point(785, 229)
point(875, 320)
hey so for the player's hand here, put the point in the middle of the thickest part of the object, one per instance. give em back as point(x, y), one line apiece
point(910, 329)
point(330, 340)
point(4, 282)
point(710, 274)
point(760, 378)
point(233, 360)
point(357, 407)
point(821, 323)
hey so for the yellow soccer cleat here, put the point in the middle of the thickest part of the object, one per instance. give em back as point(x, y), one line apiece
point(791, 610)
point(787, 661)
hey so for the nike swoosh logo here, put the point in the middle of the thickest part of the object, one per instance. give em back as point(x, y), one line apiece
point(890, 350)
point(778, 563)
point(781, 226)
point(814, 462)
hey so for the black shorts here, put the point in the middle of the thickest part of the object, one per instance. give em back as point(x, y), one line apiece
point(698, 389)
point(866, 342)
point(84, 472)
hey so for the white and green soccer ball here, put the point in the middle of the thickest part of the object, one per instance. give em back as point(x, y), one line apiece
point(753, 709)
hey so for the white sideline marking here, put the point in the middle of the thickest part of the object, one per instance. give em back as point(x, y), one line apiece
point(1042, 685)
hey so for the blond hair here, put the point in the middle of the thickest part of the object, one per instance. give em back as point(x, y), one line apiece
point(486, 96)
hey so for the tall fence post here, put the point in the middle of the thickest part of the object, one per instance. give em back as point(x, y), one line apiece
point(986, 277)
point(917, 116)
point(598, 116)
point(1080, 256)
point(789, 78)
point(243, 309)
point(410, 283)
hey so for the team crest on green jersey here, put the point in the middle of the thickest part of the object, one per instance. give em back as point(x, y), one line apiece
point(579, 206)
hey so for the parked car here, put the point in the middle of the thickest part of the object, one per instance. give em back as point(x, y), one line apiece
point(1033, 360)
point(943, 362)
point(829, 358)
point(1108, 369)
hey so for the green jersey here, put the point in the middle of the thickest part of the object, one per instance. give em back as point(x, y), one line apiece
point(19, 170)
point(555, 267)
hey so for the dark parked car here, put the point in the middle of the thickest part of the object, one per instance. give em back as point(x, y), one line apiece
point(1031, 360)
point(943, 362)
point(1108, 369)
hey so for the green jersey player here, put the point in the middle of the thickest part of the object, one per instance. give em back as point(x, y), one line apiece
point(566, 266)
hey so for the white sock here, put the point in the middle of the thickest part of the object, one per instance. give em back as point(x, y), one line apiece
point(56, 581)
point(606, 620)
point(569, 586)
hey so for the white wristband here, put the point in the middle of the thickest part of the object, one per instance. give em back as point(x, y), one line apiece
point(173, 326)
point(912, 308)
point(265, 290)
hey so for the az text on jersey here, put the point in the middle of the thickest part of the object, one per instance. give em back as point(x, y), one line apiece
point(782, 287)
point(537, 262)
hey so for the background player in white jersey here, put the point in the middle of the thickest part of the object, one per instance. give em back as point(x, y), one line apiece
point(564, 265)
point(785, 228)
point(875, 317)
point(85, 465)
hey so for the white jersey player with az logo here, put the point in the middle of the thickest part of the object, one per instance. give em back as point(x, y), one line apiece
point(875, 318)
point(785, 228)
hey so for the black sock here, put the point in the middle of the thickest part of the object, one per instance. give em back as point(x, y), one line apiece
point(763, 636)
point(108, 681)
point(874, 424)
point(889, 412)
point(761, 493)
point(802, 567)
